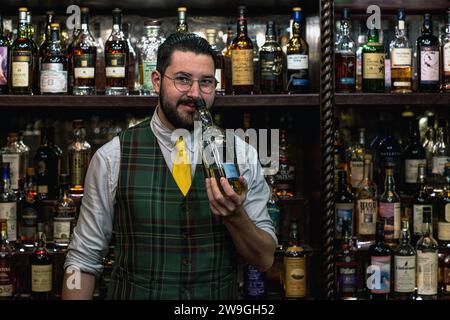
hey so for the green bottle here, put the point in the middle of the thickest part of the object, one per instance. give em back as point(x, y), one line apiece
point(373, 64)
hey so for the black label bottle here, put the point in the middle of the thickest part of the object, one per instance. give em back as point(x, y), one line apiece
point(271, 62)
point(41, 272)
point(421, 201)
point(390, 209)
point(413, 155)
point(344, 206)
point(405, 266)
point(346, 282)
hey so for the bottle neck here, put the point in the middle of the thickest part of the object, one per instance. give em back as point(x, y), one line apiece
point(345, 27)
point(427, 27)
point(427, 229)
point(366, 171)
point(242, 26)
point(389, 184)
point(22, 27)
point(152, 32)
point(405, 236)
point(296, 28)
point(401, 32)
point(373, 35)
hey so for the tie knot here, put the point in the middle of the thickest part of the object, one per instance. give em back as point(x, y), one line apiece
point(180, 144)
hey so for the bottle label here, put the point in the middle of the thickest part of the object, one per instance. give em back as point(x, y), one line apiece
point(271, 65)
point(418, 217)
point(41, 278)
point(5, 290)
point(401, 57)
point(61, 229)
point(84, 66)
point(255, 282)
point(343, 211)
point(411, 169)
point(427, 271)
point(446, 58)
point(345, 69)
point(297, 62)
point(231, 170)
point(115, 65)
point(384, 263)
point(444, 230)
point(29, 223)
point(79, 166)
point(405, 273)
point(6, 279)
point(147, 68)
point(53, 78)
point(42, 189)
point(14, 164)
point(8, 211)
point(21, 61)
point(439, 165)
point(242, 67)
point(347, 279)
point(356, 172)
point(295, 277)
point(391, 213)
point(447, 212)
point(373, 65)
point(4, 56)
point(367, 214)
point(429, 64)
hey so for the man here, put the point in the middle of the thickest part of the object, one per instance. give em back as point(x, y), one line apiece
point(176, 238)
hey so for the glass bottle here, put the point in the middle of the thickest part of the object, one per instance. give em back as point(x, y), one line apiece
point(297, 57)
point(421, 200)
point(272, 206)
point(339, 158)
point(242, 57)
point(429, 142)
point(427, 261)
point(46, 164)
point(344, 206)
point(53, 75)
point(295, 271)
point(227, 60)
point(29, 214)
point(6, 267)
point(357, 158)
point(5, 48)
point(271, 62)
point(373, 56)
point(41, 271)
point(445, 56)
point(428, 58)
point(440, 155)
point(362, 39)
point(84, 57)
point(413, 155)
point(390, 209)
point(116, 58)
point(346, 281)
point(64, 217)
point(79, 156)
point(345, 57)
point(22, 58)
point(444, 212)
point(182, 25)
point(25, 153)
point(388, 155)
point(254, 283)
point(8, 205)
point(16, 157)
point(401, 57)
point(405, 266)
point(285, 177)
point(133, 68)
point(218, 62)
point(43, 46)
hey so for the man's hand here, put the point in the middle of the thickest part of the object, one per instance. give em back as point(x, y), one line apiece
point(228, 203)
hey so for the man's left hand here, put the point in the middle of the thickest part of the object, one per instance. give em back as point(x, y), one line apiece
point(228, 203)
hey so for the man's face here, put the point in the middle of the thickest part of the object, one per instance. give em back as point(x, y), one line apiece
point(179, 107)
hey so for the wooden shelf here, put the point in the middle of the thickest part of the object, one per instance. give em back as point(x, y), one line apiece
point(392, 99)
point(412, 6)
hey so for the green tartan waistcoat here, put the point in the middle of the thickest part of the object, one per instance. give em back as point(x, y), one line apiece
point(167, 246)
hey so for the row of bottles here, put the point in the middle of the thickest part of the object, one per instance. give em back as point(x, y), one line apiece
point(363, 67)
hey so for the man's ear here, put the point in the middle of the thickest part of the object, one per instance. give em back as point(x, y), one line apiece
point(156, 80)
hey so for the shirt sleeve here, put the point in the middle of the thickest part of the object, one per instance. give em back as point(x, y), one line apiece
point(92, 234)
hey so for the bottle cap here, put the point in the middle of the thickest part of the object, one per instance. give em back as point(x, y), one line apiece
point(54, 26)
point(152, 23)
point(346, 13)
point(182, 9)
point(401, 15)
point(23, 9)
point(78, 124)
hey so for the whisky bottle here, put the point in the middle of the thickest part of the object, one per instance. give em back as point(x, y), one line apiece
point(43, 46)
point(413, 155)
point(116, 59)
point(16, 157)
point(285, 177)
point(444, 212)
point(295, 272)
point(84, 57)
point(29, 213)
point(373, 56)
point(446, 277)
point(428, 143)
point(133, 68)
point(427, 261)
point(339, 157)
point(390, 209)
point(219, 62)
point(297, 57)
point(345, 57)
point(46, 164)
point(405, 266)
point(421, 200)
point(445, 56)
point(401, 57)
point(79, 156)
point(271, 62)
point(6, 270)
point(344, 206)
point(388, 155)
point(346, 275)
point(182, 25)
point(357, 158)
point(254, 283)
point(41, 271)
point(428, 59)
point(22, 58)
point(5, 47)
point(366, 204)
point(53, 75)
point(8, 205)
point(272, 207)
point(242, 57)
point(227, 60)
point(440, 155)
point(64, 214)
point(362, 39)
point(380, 258)
point(218, 161)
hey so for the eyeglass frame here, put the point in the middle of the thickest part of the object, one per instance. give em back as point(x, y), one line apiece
point(192, 83)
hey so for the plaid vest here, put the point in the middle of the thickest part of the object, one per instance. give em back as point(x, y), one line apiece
point(167, 246)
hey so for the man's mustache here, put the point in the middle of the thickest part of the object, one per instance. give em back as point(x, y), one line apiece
point(189, 101)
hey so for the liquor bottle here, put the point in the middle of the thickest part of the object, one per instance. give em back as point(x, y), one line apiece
point(271, 62)
point(421, 200)
point(413, 155)
point(29, 212)
point(242, 57)
point(446, 56)
point(46, 164)
point(5, 47)
point(295, 272)
point(373, 56)
point(390, 209)
point(8, 205)
point(345, 57)
point(41, 271)
point(380, 258)
point(346, 280)
point(6, 269)
point(297, 57)
point(46, 36)
point(444, 212)
point(357, 158)
point(339, 157)
point(25, 153)
point(254, 283)
point(366, 204)
point(440, 155)
point(79, 156)
point(427, 261)
point(272, 206)
point(65, 211)
point(428, 59)
point(362, 39)
point(148, 55)
point(428, 143)
point(446, 278)
point(182, 25)
point(388, 155)
point(84, 57)
point(405, 266)
point(22, 58)
point(133, 68)
point(285, 177)
point(344, 206)
point(401, 57)
point(215, 163)
point(116, 58)
point(15, 156)
point(53, 75)
point(218, 62)
point(227, 60)
point(100, 76)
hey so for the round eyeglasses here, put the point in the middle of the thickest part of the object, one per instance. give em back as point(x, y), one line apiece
point(184, 84)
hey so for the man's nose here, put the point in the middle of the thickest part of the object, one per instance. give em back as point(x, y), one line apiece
point(194, 91)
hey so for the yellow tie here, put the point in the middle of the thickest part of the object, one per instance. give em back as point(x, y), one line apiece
point(182, 168)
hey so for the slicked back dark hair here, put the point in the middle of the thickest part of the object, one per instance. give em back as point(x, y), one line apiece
point(181, 41)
